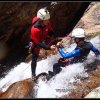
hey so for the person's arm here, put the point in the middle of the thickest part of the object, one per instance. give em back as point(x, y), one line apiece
point(69, 55)
point(95, 50)
point(44, 46)
point(35, 39)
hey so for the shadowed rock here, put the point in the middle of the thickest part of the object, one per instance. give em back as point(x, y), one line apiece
point(15, 24)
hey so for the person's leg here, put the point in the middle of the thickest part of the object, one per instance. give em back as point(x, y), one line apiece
point(72, 60)
point(33, 65)
point(57, 68)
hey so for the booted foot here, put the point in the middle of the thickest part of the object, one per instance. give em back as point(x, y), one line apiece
point(33, 77)
point(50, 75)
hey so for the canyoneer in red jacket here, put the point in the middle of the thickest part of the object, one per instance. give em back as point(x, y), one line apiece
point(40, 31)
point(40, 34)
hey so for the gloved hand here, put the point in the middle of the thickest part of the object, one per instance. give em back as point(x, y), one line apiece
point(29, 50)
point(31, 44)
point(30, 47)
point(59, 44)
point(52, 47)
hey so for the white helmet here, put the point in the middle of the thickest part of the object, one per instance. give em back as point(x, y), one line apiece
point(43, 14)
point(78, 33)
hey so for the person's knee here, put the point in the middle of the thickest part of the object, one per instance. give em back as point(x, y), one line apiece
point(56, 65)
point(56, 70)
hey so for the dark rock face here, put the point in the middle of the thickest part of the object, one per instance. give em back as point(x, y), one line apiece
point(64, 16)
point(14, 30)
point(15, 24)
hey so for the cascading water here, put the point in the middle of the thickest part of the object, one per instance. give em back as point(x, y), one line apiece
point(57, 86)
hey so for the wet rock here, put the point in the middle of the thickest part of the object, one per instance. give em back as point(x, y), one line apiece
point(91, 19)
point(86, 85)
point(94, 93)
point(20, 89)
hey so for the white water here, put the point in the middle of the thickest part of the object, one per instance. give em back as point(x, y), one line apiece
point(59, 85)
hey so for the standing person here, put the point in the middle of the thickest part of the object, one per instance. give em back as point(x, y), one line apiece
point(40, 30)
point(79, 54)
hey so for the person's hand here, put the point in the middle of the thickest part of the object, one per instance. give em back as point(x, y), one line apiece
point(29, 50)
point(30, 44)
point(59, 44)
point(30, 47)
point(53, 47)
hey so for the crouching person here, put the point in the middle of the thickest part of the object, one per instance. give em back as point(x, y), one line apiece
point(79, 54)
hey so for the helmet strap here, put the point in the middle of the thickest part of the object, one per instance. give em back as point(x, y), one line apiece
point(81, 40)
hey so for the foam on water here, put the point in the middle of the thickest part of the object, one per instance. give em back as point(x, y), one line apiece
point(57, 86)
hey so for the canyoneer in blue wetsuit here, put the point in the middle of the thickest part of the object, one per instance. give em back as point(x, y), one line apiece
point(79, 54)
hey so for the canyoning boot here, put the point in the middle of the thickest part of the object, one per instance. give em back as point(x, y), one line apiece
point(33, 77)
point(42, 76)
point(50, 75)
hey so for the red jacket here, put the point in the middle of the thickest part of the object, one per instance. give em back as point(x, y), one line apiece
point(39, 34)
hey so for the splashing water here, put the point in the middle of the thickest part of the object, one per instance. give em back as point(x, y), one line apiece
point(22, 71)
point(57, 86)
point(61, 84)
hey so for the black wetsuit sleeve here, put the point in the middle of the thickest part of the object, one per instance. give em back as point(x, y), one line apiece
point(44, 46)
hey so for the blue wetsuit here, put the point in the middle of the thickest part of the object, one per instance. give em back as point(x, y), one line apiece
point(80, 53)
